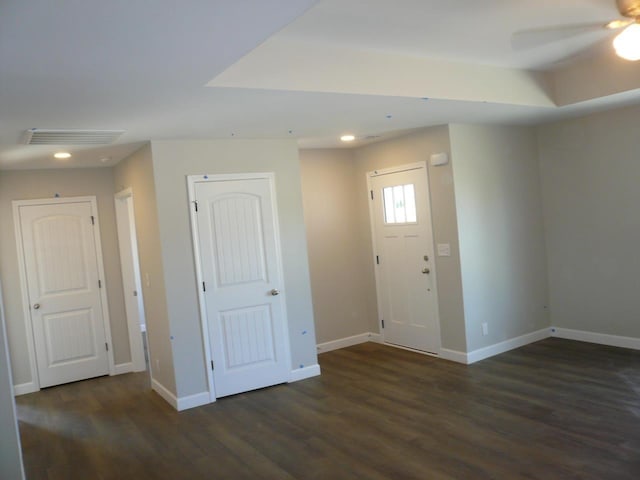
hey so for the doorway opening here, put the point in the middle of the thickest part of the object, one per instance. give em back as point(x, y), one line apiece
point(131, 279)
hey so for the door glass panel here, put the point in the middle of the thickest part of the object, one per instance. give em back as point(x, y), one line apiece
point(389, 212)
point(399, 204)
point(410, 204)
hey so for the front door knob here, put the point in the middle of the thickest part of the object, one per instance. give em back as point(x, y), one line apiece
point(36, 306)
point(275, 292)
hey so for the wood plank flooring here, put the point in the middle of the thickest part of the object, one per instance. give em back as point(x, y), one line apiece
point(555, 409)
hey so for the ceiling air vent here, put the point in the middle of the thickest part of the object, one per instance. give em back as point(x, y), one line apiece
point(41, 136)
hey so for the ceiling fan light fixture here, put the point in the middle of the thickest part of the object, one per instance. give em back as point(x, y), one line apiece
point(616, 24)
point(627, 43)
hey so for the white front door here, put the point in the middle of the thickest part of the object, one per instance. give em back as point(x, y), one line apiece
point(63, 283)
point(405, 266)
point(242, 279)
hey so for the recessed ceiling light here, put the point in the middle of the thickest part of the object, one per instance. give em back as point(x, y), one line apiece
point(62, 155)
point(105, 159)
point(347, 138)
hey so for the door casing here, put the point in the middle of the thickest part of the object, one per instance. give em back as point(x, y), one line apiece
point(16, 204)
point(126, 223)
point(372, 213)
point(192, 180)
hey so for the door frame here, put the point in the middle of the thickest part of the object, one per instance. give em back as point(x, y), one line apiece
point(192, 181)
point(24, 287)
point(136, 346)
point(372, 219)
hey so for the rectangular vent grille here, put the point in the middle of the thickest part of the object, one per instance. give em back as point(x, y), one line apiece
point(40, 136)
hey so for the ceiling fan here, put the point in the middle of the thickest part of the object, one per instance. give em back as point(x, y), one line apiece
point(626, 43)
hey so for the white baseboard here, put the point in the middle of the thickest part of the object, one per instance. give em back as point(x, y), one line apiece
point(512, 343)
point(375, 337)
point(592, 337)
point(498, 348)
point(193, 401)
point(121, 368)
point(24, 388)
point(305, 372)
point(453, 355)
point(182, 403)
point(161, 390)
point(348, 342)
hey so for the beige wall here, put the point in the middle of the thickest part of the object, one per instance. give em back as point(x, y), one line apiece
point(33, 184)
point(607, 76)
point(341, 302)
point(136, 172)
point(10, 452)
point(590, 170)
point(502, 252)
point(413, 148)
point(172, 162)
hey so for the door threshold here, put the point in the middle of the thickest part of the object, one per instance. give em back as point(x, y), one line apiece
point(414, 350)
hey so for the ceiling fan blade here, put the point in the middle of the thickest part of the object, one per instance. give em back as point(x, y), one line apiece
point(537, 37)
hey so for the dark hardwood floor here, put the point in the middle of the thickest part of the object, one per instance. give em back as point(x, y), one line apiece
point(551, 410)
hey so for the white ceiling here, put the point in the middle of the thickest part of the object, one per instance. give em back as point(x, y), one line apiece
point(474, 31)
point(302, 69)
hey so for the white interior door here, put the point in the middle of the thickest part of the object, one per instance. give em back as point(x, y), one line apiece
point(130, 268)
point(63, 283)
point(241, 268)
point(405, 274)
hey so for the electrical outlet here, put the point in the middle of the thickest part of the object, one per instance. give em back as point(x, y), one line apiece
point(485, 329)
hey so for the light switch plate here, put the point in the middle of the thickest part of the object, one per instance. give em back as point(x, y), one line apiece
point(444, 250)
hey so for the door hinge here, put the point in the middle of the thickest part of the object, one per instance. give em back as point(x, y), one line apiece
point(383, 323)
point(135, 293)
point(212, 367)
point(106, 345)
point(93, 220)
point(99, 283)
point(377, 260)
point(195, 205)
point(204, 287)
point(371, 194)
